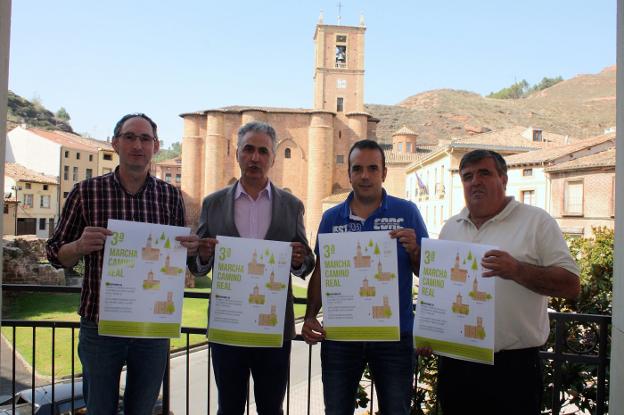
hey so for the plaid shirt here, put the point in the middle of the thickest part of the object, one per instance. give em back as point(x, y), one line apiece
point(91, 203)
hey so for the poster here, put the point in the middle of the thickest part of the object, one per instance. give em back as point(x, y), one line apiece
point(359, 286)
point(142, 286)
point(249, 290)
point(455, 311)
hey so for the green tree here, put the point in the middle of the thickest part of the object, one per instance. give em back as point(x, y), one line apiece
point(168, 244)
point(515, 91)
point(62, 114)
point(545, 83)
point(474, 266)
point(377, 251)
point(272, 260)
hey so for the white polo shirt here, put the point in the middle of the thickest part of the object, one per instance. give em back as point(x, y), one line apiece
point(530, 235)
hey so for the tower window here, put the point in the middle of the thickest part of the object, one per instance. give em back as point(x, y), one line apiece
point(339, 104)
point(339, 158)
point(341, 83)
point(341, 38)
point(341, 56)
point(537, 135)
point(287, 153)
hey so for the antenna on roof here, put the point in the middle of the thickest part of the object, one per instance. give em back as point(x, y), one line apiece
point(339, 12)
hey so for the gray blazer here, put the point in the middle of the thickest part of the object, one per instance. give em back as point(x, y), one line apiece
point(217, 218)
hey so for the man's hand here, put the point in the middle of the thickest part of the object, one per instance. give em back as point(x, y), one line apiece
point(500, 264)
point(190, 242)
point(299, 252)
point(312, 331)
point(206, 249)
point(92, 239)
point(407, 238)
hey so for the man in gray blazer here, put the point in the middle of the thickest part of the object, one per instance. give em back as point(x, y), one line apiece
point(254, 208)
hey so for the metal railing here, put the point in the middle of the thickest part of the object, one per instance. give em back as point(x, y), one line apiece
point(575, 338)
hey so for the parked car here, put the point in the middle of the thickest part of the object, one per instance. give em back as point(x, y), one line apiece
point(43, 401)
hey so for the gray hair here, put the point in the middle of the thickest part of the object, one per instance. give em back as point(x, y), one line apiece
point(478, 155)
point(258, 127)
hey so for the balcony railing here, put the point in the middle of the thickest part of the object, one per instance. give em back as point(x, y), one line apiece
point(575, 339)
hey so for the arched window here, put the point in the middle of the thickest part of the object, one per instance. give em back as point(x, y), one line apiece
point(287, 153)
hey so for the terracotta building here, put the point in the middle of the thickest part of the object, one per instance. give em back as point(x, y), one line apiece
point(312, 144)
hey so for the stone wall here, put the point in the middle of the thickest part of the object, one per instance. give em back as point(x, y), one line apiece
point(23, 262)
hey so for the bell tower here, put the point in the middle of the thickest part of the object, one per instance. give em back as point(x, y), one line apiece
point(339, 68)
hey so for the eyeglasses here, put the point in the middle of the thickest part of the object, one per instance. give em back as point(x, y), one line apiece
point(131, 137)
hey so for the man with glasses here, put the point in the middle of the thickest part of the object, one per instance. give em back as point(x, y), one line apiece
point(129, 193)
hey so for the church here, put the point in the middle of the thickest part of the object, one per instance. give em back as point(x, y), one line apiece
point(312, 144)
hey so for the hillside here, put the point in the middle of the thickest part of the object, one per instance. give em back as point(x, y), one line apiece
point(582, 106)
point(22, 111)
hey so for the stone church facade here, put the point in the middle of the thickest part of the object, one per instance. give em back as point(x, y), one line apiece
point(312, 144)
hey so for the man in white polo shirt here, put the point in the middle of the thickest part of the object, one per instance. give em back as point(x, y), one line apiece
point(532, 263)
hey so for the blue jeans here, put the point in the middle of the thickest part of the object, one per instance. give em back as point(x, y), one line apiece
point(269, 367)
point(102, 359)
point(391, 365)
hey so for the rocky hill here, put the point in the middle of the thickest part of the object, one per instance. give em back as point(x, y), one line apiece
point(22, 111)
point(581, 107)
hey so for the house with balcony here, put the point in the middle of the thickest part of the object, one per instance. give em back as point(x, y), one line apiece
point(433, 182)
point(33, 201)
point(169, 170)
point(69, 157)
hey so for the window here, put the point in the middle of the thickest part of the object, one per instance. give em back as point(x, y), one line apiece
point(339, 159)
point(178, 178)
point(341, 51)
point(45, 187)
point(573, 198)
point(339, 133)
point(90, 157)
point(399, 147)
point(287, 153)
point(75, 175)
point(168, 177)
point(42, 224)
point(88, 173)
point(341, 38)
point(408, 147)
point(28, 200)
point(65, 195)
point(527, 172)
point(66, 154)
point(528, 197)
point(65, 172)
point(537, 135)
point(77, 156)
point(27, 185)
point(107, 156)
point(341, 83)
point(6, 208)
point(339, 104)
point(44, 201)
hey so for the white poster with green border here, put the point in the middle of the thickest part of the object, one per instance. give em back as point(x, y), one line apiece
point(142, 286)
point(359, 286)
point(249, 290)
point(455, 309)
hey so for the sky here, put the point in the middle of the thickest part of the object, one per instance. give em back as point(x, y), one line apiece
point(102, 59)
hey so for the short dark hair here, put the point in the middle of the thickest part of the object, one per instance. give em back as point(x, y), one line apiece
point(370, 145)
point(258, 127)
point(126, 117)
point(475, 156)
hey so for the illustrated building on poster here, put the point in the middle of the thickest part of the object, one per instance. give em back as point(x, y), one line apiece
point(165, 307)
point(269, 319)
point(150, 283)
point(255, 297)
point(367, 290)
point(477, 295)
point(475, 332)
point(457, 273)
point(274, 285)
point(255, 267)
point(383, 276)
point(168, 269)
point(359, 260)
point(459, 307)
point(382, 311)
point(148, 252)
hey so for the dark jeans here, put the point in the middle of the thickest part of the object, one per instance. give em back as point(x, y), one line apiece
point(391, 365)
point(269, 367)
point(513, 385)
point(102, 359)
